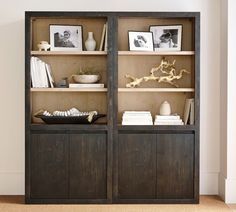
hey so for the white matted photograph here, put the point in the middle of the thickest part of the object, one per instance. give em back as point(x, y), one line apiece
point(167, 38)
point(140, 41)
point(65, 38)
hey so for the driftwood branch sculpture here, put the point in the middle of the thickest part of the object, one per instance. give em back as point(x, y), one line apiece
point(166, 74)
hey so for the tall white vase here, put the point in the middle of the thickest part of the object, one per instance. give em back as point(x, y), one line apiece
point(90, 43)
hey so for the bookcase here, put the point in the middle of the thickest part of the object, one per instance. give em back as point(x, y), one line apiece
point(107, 162)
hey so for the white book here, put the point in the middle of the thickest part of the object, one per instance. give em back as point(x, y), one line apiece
point(32, 72)
point(77, 85)
point(137, 112)
point(137, 123)
point(43, 75)
point(49, 74)
point(103, 37)
point(174, 117)
point(169, 123)
point(191, 119)
point(187, 110)
point(37, 74)
point(105, 46)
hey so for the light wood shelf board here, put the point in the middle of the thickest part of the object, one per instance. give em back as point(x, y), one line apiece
point(55, 53)
point(68, 89)
point(133, 53)
point(156, 90)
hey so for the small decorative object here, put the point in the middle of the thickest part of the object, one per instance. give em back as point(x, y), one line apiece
point(166, 73)
point(87, 75)
point(90, 43)
point(167, 38)
point(63, 83)
point(72, 116)
point(165, 109)
point(140, 41)
point(44, 46)
point(66, 38)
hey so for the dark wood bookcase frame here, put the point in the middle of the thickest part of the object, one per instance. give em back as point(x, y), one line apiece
point(119, 165)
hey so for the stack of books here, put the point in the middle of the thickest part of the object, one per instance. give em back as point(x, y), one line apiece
point(103, 43)
point(137, 118)
point(84, 85)
point(41, 74)
point(168, 120)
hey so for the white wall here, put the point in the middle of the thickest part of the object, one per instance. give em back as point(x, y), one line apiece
point(12, 80)
point(227, 183)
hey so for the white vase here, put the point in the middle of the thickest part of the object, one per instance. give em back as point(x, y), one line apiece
point(165, 109)
point(90, 43)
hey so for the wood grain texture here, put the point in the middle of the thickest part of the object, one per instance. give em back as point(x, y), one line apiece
point(207, 204)
point(175, 165)
point(49, 170)
point(88, 166)
point(137, 166)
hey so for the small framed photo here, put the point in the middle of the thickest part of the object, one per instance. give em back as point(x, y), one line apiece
point(66, 38)
point(167, 38)
point(140, 41)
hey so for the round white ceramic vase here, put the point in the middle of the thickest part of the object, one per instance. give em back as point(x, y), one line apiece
point(90, 43)
point(165, 109)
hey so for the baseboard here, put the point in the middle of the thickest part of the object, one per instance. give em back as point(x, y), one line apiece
point(209, 183)
point(227, 188)
point(12, 183)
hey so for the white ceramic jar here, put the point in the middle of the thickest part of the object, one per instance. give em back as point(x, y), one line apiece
point(165, 109)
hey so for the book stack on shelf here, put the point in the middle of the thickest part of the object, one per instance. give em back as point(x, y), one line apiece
point(168, 120)
point(41, 74)
point(86, 85)
point(137, 118)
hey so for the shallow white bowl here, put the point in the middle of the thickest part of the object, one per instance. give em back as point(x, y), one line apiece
point(86, 78)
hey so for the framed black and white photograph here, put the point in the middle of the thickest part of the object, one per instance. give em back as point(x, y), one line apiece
point(65, 38)
point(140, 41)
point(167, 38)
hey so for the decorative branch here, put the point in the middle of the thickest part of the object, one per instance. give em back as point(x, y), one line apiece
point(167, 71)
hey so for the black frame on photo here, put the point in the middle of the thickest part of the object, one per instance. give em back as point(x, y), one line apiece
point(141, 39)
point(166, 45)
point(66, 45)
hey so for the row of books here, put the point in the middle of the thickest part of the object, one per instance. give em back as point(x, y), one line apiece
point(103, 43)
point(41, 74)
point(137, 118)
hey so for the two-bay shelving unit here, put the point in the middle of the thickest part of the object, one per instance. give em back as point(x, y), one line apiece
point(107, 162)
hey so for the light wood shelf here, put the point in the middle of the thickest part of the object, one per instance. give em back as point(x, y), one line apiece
point(68, 89)
point(56, 53)
point(142, 53)
point(155, 90)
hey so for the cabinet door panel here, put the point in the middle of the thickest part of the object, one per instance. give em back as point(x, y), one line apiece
point(175, 165)
point(88, 173)
point(136, 166)
point(49, 171)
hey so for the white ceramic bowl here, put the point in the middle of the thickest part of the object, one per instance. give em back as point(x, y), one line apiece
point(86, 78)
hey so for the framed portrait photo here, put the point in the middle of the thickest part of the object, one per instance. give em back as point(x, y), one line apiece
point(167, 38)
point(140, 41)
point(66, 38)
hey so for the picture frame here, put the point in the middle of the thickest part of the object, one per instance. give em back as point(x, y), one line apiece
point(66, 37)
point(140, 41)
point(167, 37)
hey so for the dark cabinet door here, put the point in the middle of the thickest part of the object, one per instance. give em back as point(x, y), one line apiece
point(136, 166)
point(175, 166)
point(49, 170)
point(88, 153)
